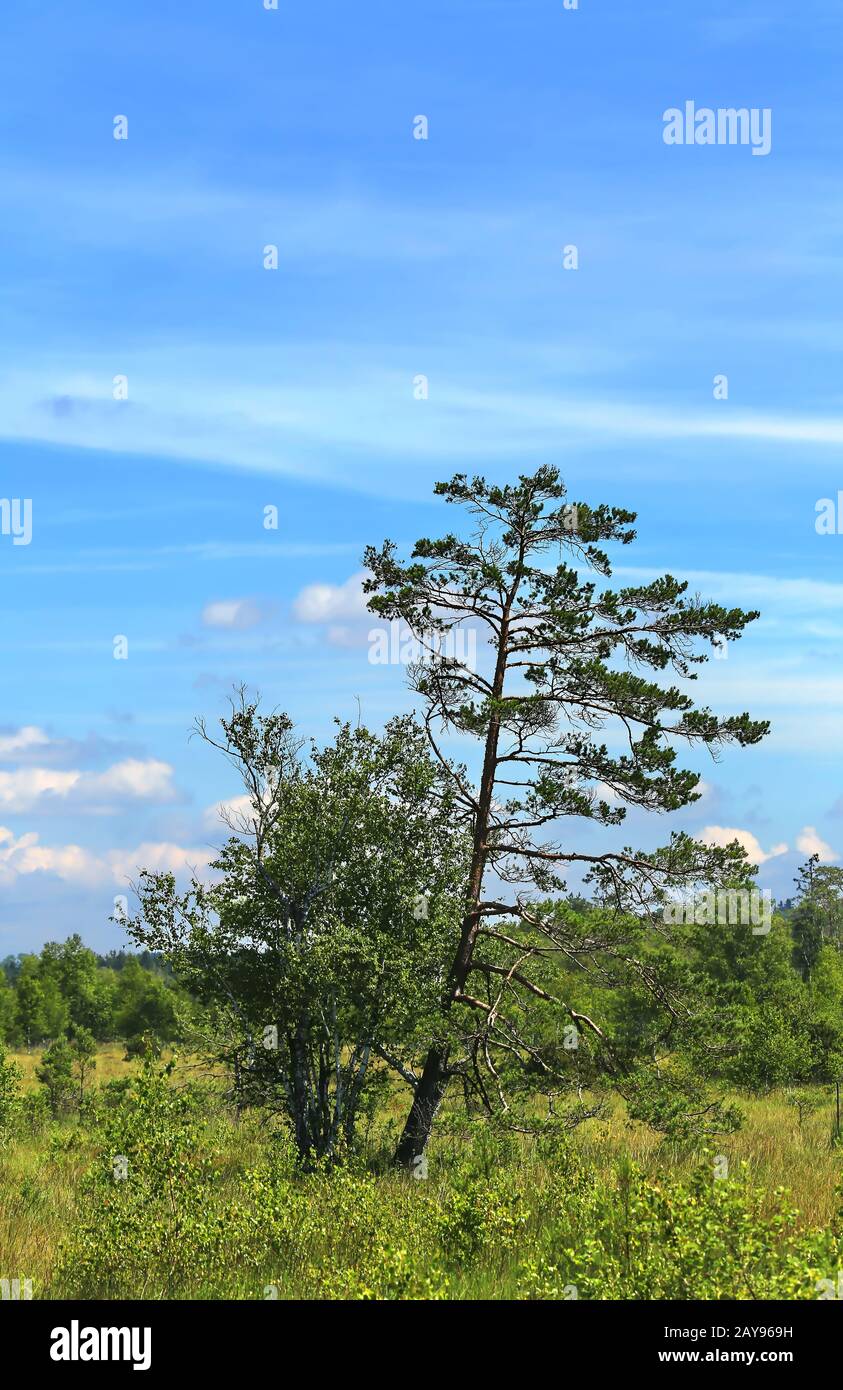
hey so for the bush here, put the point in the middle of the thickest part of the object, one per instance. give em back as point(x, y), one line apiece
point(152, 1223)
point(698, 1238)
point(10, 1095)
point(164, 1216)
point(56, 1075)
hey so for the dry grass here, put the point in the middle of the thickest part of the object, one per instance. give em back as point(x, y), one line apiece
point(776, 1150)
point(41, 1186)
point(110, 1064)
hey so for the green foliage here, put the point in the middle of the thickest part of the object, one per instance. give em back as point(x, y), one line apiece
point(143, 1045)
point(154, 1222)
point(10, 1094)
point(768, 1025)
point(804, 1103)
point(569, 659)
point(67, 988)
point(677, 1105)
point(34, 1113)
point(702, 1238)
point(56, 1075)
point(64, 1069)
point(9, 1028)
point(320, 950)
point(145, 1002)
point(180, 1224)
point(84, 1050)
point(818, 916)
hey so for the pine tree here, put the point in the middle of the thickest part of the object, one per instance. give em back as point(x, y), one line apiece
point(566, 664)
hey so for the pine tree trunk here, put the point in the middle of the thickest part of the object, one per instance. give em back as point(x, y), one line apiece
point(433, 1082)
point(428, 1097)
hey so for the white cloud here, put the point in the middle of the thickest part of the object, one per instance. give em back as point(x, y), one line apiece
point(237, 613)
point(810, 843)
point(24, 788)
point(161, 857)
point(211, 417)
point(24, 855)
point(233, 810)
point(22, 740)
point(719, 836)
point(140, 780)
point(195, 399)
point(41, 788)
point(325, 603)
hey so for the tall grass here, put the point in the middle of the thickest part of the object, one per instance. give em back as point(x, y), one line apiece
point(493, 1220)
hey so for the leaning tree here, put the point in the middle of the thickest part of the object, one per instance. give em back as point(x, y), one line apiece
point(570, 724)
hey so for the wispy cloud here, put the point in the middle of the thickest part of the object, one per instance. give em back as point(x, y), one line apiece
point(24, 855)
point(323, 603)
point(52, 789)
point(238, 614)
point(307, 425)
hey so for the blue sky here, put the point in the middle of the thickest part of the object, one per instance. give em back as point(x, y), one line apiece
point(293, 387)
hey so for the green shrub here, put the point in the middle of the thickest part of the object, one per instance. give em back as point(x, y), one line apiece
point(700, 1238)
point(10, 1094)
point(56, 1075)
point(150, 1223)
point(494, 1219)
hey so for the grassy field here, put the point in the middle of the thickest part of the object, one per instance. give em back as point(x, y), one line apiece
point(111, 1064)
point(488, 1222)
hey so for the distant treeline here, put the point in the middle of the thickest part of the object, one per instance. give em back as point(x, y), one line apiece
point(68, 986)
point(766, 1009)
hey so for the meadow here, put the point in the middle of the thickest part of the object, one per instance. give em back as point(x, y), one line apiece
point(213, 1205)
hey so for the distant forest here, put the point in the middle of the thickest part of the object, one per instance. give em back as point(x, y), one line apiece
point(68, 987)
